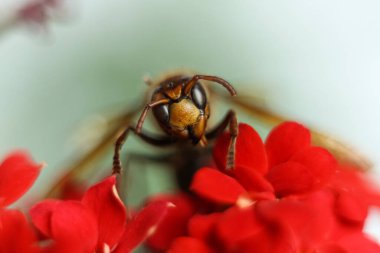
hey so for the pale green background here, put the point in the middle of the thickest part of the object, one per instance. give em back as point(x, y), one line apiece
point(315, 61)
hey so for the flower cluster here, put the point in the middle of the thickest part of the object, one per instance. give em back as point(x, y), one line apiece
point(96, 223)
point(284, 195)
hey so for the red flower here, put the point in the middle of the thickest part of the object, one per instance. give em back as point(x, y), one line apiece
point(316, 225)
point(241, 230)
point(282, 196)
point(104, 202)
point(71, 225)
point(250, 150)
point(354, 195)
point(302, 224)
point(189, 245)
point(295, 167)
point(216, 186)
point(310, 219)
point(144, 225)
point(97, 223)
point(202, 226)
point(285, 140)
point(174, 223)
point(234, 230)
point(17, 174)
point(16, 235)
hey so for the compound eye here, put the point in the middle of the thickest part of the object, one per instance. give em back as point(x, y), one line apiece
point(162, 113)
point(198, 95)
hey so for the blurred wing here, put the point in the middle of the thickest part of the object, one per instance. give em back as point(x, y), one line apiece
point(114, 126)
point(343, 152)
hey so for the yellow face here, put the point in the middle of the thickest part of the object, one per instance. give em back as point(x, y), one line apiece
point(183, 114)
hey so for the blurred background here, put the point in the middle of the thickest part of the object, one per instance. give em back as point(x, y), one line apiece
point(313, 61)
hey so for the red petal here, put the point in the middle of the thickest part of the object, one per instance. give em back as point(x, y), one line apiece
point(250, 150)
point(15, 233)
point(261, 196)
point(235, 225)
point(69, 223)
point(355, 194)
point(201, 226)
point(330, 248)
point(319, 161)
point(41, 215)
point(349, 179)
point(359, 242)
point(189, 245)
point(285, 140)
point(311, 219)
point(62, 247)
point(252, 180)
point(17, 174)
point(143, 225)
point(109, 210)
point(351, 208)
point(274, 238)
point(74, 224)
point(355, 182)
point(174, 223)
point(215, 186)
point(290, 178)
